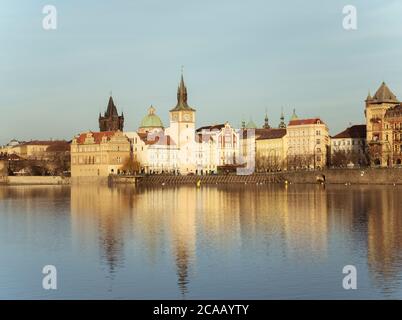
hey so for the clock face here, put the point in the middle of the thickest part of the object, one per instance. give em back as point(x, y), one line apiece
point(187, 117)
point(175, 117)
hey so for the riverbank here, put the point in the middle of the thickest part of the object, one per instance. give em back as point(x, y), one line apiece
point(367, 176)
point(329, 176)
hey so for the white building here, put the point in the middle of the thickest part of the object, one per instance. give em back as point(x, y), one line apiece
point(217, 145)
point(349, 146)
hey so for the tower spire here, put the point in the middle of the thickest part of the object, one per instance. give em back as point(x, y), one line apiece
point(266, 120)
point(282, 124)
point(182, 96)
point(294, 116)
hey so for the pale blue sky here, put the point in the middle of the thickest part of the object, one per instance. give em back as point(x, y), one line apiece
point(240, 58)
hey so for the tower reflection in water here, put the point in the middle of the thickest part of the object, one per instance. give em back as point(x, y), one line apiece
point(299, 221)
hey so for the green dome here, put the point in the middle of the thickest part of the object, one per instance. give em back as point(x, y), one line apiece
point(251, 125)
point(151, 120)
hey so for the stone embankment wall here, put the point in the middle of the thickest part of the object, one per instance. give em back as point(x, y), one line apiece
point(330, 176)
point(346, 176)
point(34, 180)
point(212, 179)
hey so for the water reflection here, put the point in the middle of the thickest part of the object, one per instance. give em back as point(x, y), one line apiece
point(99, 212)
point(195, 230)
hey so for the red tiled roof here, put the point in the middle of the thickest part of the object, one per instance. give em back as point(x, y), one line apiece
point(257, 132)
point(300, 122)
point(61, 146)
point(96, 135)
point(357, 132)
point(272, 134)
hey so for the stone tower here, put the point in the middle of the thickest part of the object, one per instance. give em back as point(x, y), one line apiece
point(111, 121)
point(379, 132)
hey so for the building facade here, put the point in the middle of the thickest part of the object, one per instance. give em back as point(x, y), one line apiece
point(271, 148)
point(379, 130)
point(393, 119)
point(99, 153)
point(349, 148)
point(36, 149)
point(308, 143)
point(217, 146)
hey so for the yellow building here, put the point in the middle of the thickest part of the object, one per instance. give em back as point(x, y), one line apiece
point(271, 149)
point(99, 153)
point(308, 143)
point(35, 149)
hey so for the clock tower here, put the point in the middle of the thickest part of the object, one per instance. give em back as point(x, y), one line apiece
point(182, 118)
point(182, 129)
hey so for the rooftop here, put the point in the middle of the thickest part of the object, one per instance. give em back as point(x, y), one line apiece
point(96, 135)
point(353, 132)
point(300, 122)
point(383, 94)
point(272, 134)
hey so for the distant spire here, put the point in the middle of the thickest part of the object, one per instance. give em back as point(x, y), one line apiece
point(294, 116)
point(369, 97)
point(111, 121)
point(182, 97)
point(111, 108)
point(243, 122)
point(282, 124)
point(151, 110)
point(266, 120)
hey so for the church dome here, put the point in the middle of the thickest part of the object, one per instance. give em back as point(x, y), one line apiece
point(251, 125)
point(151, 120)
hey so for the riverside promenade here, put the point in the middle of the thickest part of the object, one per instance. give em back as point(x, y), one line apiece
point(328, 176)
point(367, 176)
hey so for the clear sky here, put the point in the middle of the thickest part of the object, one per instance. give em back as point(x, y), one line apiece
point(239, 57)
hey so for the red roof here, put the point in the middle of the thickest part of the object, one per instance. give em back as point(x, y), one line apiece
point(300, 122)
point(96, 135)
point(355, 132)
point(43, 143)
point(272, 134)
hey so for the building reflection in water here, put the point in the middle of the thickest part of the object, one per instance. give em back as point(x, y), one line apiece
point(186, 221)
point(384, 233)
point(99, 212)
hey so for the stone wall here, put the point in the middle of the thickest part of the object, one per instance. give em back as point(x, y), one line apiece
point(330, 176)
point(35, 180)
point(353, 176)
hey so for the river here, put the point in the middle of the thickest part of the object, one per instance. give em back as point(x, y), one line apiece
point(213, 242)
